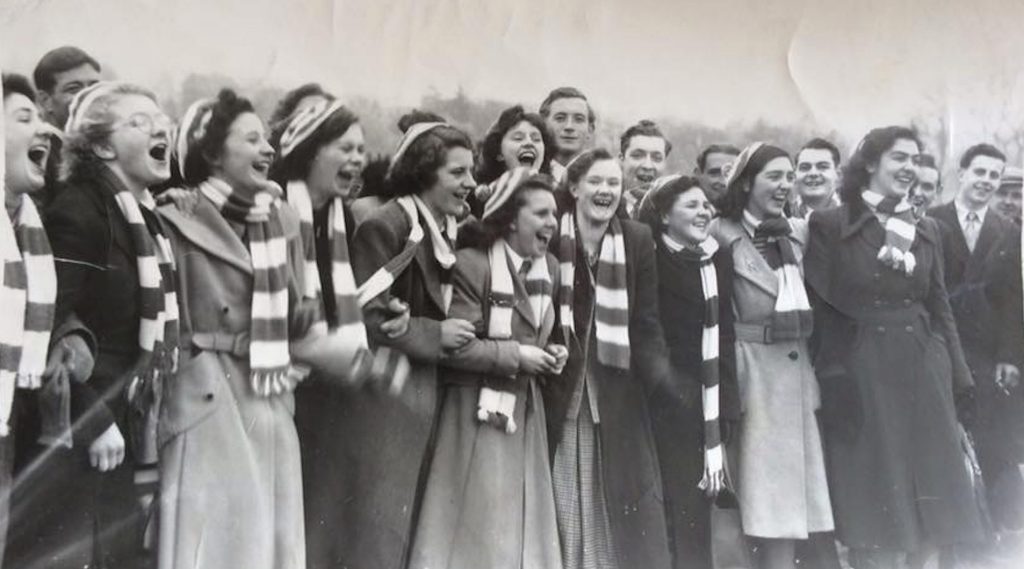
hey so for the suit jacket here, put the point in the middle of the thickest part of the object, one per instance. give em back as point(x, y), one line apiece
point(965, 283)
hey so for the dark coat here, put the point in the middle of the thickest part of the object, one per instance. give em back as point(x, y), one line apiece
point(632, 479)
point(679, 425)
point(373, 475)
point(888, 358)
point(97, 282)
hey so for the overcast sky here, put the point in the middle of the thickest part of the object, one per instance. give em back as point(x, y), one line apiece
point(846, 65)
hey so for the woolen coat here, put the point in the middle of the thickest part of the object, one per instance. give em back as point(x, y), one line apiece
point(889, 359)
point(380, 463)
point(780, 478)
point(679, 423)
point(631, 475)
point(231, 483)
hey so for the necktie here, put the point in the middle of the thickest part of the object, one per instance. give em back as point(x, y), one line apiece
point(971, 227)
point(524, 269)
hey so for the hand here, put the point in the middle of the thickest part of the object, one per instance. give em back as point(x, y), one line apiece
point(185, 200)
point(455, 333)
point(70, 354)
point(398, 325)
point(1007, 377)
point(713, 482)
point(535, 361)
point(107, 451)
point(561, 354)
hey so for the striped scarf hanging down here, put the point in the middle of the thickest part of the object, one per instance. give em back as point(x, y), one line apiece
point(709, 345)
point(900, 230)
point(390, 364)
point(496, 406)
point(792, 318)
point(28, 289)
point(611, 296)
point(271, 370)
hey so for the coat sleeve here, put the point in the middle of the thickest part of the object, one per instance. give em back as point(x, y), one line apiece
point(376, 242)
point(79, 242)
point(646, 338)
point(936, 302)
point(730, 407)
point(498, 358)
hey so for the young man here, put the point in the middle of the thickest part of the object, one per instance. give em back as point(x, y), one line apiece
point(817, 175)
point(929, 184)
point(971, 234)
point(571, 121)
point(1008, 196)
point(59, 76)
point(713, 165)
point(643, 151)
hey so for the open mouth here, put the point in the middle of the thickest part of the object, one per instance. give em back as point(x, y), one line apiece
point(905, 177)
point(603, 201)
point(39, 153)
point(813, 182)
point(527, 156)
point(645, 177)
point(261, 166)
point(544, 236)
point(158, 152)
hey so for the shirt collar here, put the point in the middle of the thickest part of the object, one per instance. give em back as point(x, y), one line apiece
point(673, 245)
point(961, 213)
point(517, 260)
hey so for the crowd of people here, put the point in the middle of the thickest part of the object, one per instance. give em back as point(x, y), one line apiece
point(231, 342)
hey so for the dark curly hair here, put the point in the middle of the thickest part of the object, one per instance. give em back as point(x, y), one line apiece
point(663, 200)
point(856, 176)
point(296, 165)
point(16, 83)
point(578, 168)
point(416, 170)
point(228, 107)
point(736, 196)
point(491, 165)
point(482, 234)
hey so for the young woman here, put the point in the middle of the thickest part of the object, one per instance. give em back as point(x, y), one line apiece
point(229, 455)
point(890, 363)
point(607, 484)
point(695, 301)
point(488, 497)
point(516, 139)
point(112, 267)
point(402, 251)
point(781, 485)
point(322, 155)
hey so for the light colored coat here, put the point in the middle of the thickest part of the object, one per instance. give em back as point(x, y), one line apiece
point(781, 480)
point(231, 479)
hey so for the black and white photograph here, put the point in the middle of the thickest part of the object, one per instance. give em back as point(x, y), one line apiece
point(531, 284)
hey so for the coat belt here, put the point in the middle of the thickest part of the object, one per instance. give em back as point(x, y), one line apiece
point(234, 344)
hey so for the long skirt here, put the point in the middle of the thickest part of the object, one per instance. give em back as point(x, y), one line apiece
point(583, 522)
point(488, 497)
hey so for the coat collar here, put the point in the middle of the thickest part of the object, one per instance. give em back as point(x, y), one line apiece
point(206, 229)
point(854, 217)
point(747, 260)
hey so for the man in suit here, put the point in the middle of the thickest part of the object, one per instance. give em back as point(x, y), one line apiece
point(971, 232)
point(571, 120)
point(1008, 196)
point(643, 151)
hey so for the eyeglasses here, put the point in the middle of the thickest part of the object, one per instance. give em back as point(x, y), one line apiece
point(150, 124)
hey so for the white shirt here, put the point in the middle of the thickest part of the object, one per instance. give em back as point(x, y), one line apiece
point(558, 171)
point(962, 211)
point(517, 260)
point(673, 245)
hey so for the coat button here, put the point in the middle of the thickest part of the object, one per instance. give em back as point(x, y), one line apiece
point(881, 329)
point(909, 328)
point(907, 302)
point(208, 397)
point(794, 356)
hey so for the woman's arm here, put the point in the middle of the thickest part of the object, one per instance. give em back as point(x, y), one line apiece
point(646, 338)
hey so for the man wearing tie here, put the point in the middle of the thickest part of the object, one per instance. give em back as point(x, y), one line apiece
point(971, 232)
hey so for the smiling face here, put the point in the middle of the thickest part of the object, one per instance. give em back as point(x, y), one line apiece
point(337, 165)
point(980, 179)
point(447, 196)
point(26, 145)
point(569, 123)
point(927, 187)
point(716, 170)
point(66, 85)
point(522, 145)
point(895, 172)
point(816, 174)
point(644, 160)
point(599, 191)
point(535, 224)
point(1008, 201)
point(770, 189)
point(245, 156)
point(689, 220)
point(139, 146)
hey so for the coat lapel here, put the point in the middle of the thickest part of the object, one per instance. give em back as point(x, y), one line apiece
point(522, 305)
point(947, 214)
point(430, 270)
point(208, 230)
point(987, 237)
point(749, 263)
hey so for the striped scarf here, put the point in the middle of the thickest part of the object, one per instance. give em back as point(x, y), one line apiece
point(611, 297)
point(792, 318)
point(709, 345)
point(271, 370)
point(389, 364)
point(28, 289)
point(900, 230)
point(495, 406)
